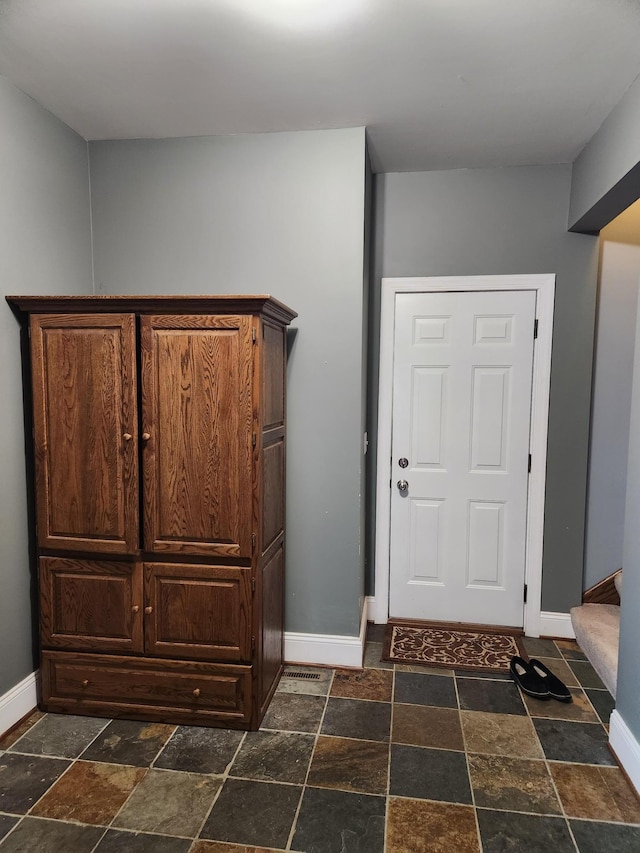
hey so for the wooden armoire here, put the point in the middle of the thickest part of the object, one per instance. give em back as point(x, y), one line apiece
point(159, 459)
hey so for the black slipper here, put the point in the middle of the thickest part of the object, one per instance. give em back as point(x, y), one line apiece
point(528, 679)
point(557, 689)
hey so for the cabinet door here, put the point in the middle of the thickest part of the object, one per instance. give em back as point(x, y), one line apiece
point(198, 611)
point(85, 425)
point(197, 421)
point(90, 604)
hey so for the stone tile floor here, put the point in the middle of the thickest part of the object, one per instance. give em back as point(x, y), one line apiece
point(384, 760)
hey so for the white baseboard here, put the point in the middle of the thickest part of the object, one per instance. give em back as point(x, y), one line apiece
point(327, 649)
point(626, 748)
point(556, 625)
point(17, 702)
point(370, 608)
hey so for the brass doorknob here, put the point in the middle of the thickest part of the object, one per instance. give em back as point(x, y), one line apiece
point(148, 609)
point(135, 608)
point(146, 436)
point(196, 692)
point(85, 683)
point(127, 436)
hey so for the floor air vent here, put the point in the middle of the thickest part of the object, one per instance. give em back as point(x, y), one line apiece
point(308, 676)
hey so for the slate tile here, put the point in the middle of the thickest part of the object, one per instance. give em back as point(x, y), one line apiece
point(375, 633)
point(223, 847)
point(339, 822)
point(500, 734)
point(512, 784)
point(89, 793)
point(429, 774)
point(25, 778)
point(195, 749)
point(414, 688)
point(120, 841)
point(317, 685)
point(603, 702)
point(586, 674)
point(561, 669)
point(421, 725)
point(541, 648)
point(579, 709)
point(374, 684)
point(583, 743)
point(51, 836)
point(595, 793)
point(508, 832)
point(570, 650)
point(294, 712)
point(418, 826)
point(169, 803)
point(129, 742)
point(59, 735)
point(274, 757)
point(493, 675)
point(253, 813)
point(7, 822)
point(592, 837)
point(373, 657)
point(356, 718)
point(494, 697)
point(350, 765)
point(12, 736)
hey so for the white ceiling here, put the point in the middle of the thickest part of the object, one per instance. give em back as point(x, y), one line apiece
point(439, 83)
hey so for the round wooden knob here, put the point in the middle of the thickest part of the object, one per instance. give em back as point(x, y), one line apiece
point(135, 608)
point(85, 683)
point(196, 692)
point(127, 436)
point(148, 609)
point(146, 436)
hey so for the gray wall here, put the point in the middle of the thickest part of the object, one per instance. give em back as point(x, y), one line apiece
point(506, 221)
point(279, 213)
point(611, 407)
point(628, 689)
point(45, 247)
point(606, 175)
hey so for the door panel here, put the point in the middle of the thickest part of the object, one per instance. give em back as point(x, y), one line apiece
point(89, 604)
point(85, 426)
point(198, 611)
point(461, 416)
point(197, 434)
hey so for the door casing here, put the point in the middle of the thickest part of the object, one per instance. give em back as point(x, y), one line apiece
point(544, 284)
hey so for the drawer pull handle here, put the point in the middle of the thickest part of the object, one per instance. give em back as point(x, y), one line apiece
point(85, 683)
point(135, 608)
point(196, 692)
point(127, 436)
point(148, 609)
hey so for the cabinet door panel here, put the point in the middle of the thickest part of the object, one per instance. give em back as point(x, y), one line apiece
point(199, 612)
point(198, 416)
point(85, 425)
point(89, 604)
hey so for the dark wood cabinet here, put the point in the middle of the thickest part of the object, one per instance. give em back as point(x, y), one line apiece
point(159, 457)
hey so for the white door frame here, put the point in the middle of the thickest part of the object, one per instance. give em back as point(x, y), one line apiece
point(544, 285)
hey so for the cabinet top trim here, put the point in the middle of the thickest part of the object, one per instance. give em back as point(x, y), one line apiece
point(265, 305)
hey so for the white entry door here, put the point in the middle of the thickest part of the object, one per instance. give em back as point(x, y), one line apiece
point(461, 416)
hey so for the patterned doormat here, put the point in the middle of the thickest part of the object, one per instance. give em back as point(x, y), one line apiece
point(452, 646)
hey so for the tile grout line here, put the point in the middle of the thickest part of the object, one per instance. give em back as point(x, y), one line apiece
point(466, 761)
point(313, 752)
point(388, 791)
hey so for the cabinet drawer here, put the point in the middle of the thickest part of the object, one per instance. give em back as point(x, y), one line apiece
point(201, 612)
point(91, 604)
point(121, 686)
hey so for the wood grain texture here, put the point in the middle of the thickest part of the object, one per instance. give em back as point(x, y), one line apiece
point(273, 395)
point(198, 410)
point(178, 691)
point(272, 620)
point(201, 612)
point(273, 497)
point(84, 394)
point(88, 604)
point(604, 592)
point(263, 304)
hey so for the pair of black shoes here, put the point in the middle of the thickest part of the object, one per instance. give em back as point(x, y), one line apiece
point(536, 679)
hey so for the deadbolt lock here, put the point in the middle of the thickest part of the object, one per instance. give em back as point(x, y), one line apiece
point(403, 462)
